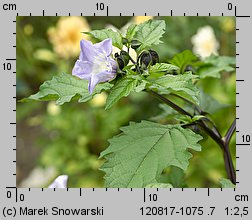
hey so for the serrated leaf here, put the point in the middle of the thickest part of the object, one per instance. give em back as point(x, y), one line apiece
point(63, 88)
point(131, 31)
point(179, 84)
point(159, 185)
point(183, 59)
point(163, 68)
point(149, 33)
point(226, 183)
point(122, 88)
point(107, 33)
point(137, 157)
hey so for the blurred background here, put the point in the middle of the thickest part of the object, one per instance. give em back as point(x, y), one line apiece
point(54, 140)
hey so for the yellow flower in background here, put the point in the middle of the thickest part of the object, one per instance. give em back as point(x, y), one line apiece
point(141, 19)
point(99, 100)
point(204, 42)
point(28, 29)
point(53, 109)
point(66, 36)
point(228, 24)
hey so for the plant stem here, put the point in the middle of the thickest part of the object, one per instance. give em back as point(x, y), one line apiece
point(227, 156)
point(230, 132)
point(134, 62)
point(212, 132)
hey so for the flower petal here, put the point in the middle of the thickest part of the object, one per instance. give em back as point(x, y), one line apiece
point(105, 45)
point(93, 81)
point(113, 63)
point(59, 182)
point(105, 76)
point(82, 69)
point(87, 51)
point(95, 63)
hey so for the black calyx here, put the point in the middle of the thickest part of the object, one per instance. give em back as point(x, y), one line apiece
point(122, 59)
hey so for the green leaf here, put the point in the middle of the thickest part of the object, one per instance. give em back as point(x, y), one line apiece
point(64, 87)
point(183, 59)
point(197, 118)
point(179, 84)
point(226, 183)
point(131, 31)
point(163, 68)
point(175, 176)
point(122, 88)
point(107, 33)
point(141, 86)
point(209, 104)
point(137, 157)
point(159, 185)
point(214, 65)
point(221, 60)
point(213, 71)
point(149, 33)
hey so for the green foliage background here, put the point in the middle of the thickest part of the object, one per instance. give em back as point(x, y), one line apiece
point(71, 139)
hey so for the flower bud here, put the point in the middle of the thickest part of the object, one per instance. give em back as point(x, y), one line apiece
point(135, 44)
point(154, 56)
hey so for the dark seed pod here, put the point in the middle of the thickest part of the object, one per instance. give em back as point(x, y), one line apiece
point(145, 59)
point(125, 57)
point(135, 44)
point(116, 55)
point(188, 68)
point(120, 62)
point(154, 56)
